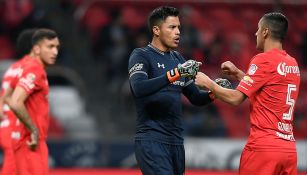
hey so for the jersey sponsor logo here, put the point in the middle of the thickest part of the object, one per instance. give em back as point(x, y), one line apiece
point(29, 80)
point(14, 72)
point(283, 69)
point(161, 65)
point(285, 127)
point(243, 87)
point(288, 137)
point(248, 79)
point(252, 69)
point(136, 67)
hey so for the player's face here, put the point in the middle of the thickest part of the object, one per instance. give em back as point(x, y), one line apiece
point(48, 50)
point(260, 36)
point(169, 34)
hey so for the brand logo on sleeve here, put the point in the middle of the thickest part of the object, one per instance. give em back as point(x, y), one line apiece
point(283, 69)
point(136, 67)
point(29, 80)
point(248, 79)
point(252, 69)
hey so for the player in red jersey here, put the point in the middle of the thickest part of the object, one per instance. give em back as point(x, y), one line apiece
point(29, 101)
point(9, 122)
point(272, 85)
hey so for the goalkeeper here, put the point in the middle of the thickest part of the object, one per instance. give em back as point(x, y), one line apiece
point(158, 76)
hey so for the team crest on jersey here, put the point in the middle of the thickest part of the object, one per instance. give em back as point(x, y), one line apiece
point(31, 77)
point(252, 69)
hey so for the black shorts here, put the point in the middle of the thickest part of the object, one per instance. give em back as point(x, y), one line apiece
point(155, 158)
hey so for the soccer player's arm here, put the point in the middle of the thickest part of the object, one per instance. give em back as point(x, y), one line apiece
point(140, 84)
point(230, 96)
point(24, 88)
point(1, 105)
point(257, 75)
point(229, 68)
point(195, 95)
point(1, 108)
point(17, 104)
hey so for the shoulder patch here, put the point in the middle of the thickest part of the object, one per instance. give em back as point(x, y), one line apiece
point(252, 69)
point(136, 67)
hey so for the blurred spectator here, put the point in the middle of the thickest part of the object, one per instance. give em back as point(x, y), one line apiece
point(304, 50)
point(6, 49)
point(190, 37)
point(15, 11)
point(93, 17)
point(112, 47)
point(213, 55)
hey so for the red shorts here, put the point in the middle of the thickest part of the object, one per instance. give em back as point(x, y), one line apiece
point(30, 162)
point(268, 163)
point(6, 144)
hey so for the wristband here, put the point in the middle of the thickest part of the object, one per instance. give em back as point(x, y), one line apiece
point(173, 75)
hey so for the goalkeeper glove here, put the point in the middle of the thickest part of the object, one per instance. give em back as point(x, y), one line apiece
point(221, 82)
point(188, 69)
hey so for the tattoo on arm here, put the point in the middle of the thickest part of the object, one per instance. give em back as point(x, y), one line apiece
point(23, 115)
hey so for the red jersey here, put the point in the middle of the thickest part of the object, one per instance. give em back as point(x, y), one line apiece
point(272, 85)
point(10, 75)
point(34, 81)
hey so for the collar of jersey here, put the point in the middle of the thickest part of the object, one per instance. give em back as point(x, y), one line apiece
point(156, 49)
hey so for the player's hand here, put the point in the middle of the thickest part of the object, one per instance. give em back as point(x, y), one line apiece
point(223, 82)
point(203, 81)
point(189, 68)
point(229, 68)
point(33, 143)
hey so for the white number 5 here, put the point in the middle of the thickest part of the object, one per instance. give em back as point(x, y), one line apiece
point(289, 101)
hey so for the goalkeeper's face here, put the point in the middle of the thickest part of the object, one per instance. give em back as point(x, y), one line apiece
point(170, 32)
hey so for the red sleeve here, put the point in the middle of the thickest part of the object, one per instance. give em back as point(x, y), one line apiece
point(30, 80)
point(258, 74)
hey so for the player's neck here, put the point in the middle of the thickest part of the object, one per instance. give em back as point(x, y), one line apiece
point(158, 45)
point(271, 44)
point(37, 58)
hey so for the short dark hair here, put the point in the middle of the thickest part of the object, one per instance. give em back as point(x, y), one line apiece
point(277, 24)
point(160, 14)
point(41, 34)
point(24, 42)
